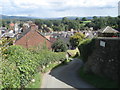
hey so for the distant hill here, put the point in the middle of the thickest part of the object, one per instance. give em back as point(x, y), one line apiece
point(26, 17)
point(71, 18)
point(15, 17)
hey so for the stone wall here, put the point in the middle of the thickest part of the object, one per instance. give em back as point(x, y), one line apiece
point(105, 59)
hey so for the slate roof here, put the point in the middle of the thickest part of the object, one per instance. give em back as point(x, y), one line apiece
point(23, 34)
point(109, 29)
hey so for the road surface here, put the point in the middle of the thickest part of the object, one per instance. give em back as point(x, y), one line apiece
point(65, 77)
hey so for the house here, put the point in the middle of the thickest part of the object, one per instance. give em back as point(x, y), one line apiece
point(32, 38)
point(6, 33)
point(109, 29)
point(25, 26)
point(0, 33)
point(11, 26)
point(16, 28)
point(9, 34)
point(108, 32)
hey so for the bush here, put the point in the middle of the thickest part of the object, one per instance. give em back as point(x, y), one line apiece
point(59, 46)
point(76, 39)
point(20, 65)
point(86, 47)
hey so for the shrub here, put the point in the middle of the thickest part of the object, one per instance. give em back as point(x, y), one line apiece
point(20, 65)
point(86, 47)
point(23, 62)
point(76, 39)
point(59, 46)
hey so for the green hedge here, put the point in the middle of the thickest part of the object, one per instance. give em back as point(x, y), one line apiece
point(86, 48)
point(20, 65)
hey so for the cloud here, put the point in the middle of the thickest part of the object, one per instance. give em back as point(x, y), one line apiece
point(52, 8)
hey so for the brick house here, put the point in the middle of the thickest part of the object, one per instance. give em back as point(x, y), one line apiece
point(32, 38)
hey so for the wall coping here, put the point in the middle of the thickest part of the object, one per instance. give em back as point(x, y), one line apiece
point(110, 38)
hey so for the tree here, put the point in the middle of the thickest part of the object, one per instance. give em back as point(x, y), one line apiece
point(84, 19)
point(94, 17)
point(57, 28)
point(3, 23)
point(73, 25)
point(48, 23)
point(65, 20)
point(118, 23)
point(59, 46)
point(98, 23)
point(56, 22)
point(76, 39)
point(77, 19)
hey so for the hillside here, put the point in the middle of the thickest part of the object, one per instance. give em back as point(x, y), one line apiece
point(14, 17)
point(27, 17)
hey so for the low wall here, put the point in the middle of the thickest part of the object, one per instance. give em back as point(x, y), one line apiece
point(105, 59)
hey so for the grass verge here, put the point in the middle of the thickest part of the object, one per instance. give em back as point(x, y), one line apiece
point(53, 66)
point(49, 67)
point(37, 82)
point(97, 81)
point(38, 76)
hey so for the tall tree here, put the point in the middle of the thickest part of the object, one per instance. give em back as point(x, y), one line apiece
point(84, 19)
point(65, 20)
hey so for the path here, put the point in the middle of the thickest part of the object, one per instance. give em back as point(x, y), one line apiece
point(65, 77)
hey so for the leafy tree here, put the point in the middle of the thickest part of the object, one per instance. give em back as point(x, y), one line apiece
point(56, 22)
point(20, 25)
point(59, 46)
point(118, 23)
point(73, 25)
point(77, 19)
point(76, 39)
point(3, 23)
point(101, 22)
point(57, 28)
point(66, 27)
point(48, 23)
point(65, 20)
point(94, 17)
point(84, 19)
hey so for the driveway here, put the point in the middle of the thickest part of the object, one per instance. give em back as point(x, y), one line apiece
point(65, 77)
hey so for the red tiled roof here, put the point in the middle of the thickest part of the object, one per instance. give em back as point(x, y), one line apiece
point(12, 24)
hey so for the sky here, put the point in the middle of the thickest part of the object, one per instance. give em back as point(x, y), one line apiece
point(59, 8)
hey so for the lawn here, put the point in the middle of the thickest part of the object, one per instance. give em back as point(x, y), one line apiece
point(86, 21)
point(97, 81)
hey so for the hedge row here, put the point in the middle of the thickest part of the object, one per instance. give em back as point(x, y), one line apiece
point(86, 48)
point(20, 65)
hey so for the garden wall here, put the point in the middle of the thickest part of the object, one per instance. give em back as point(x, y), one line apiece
point(104, 60)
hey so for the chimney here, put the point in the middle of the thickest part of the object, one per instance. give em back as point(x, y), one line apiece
point(34, 27)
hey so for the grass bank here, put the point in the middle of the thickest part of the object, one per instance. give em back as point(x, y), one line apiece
point(97, 81)
point(36, 83)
